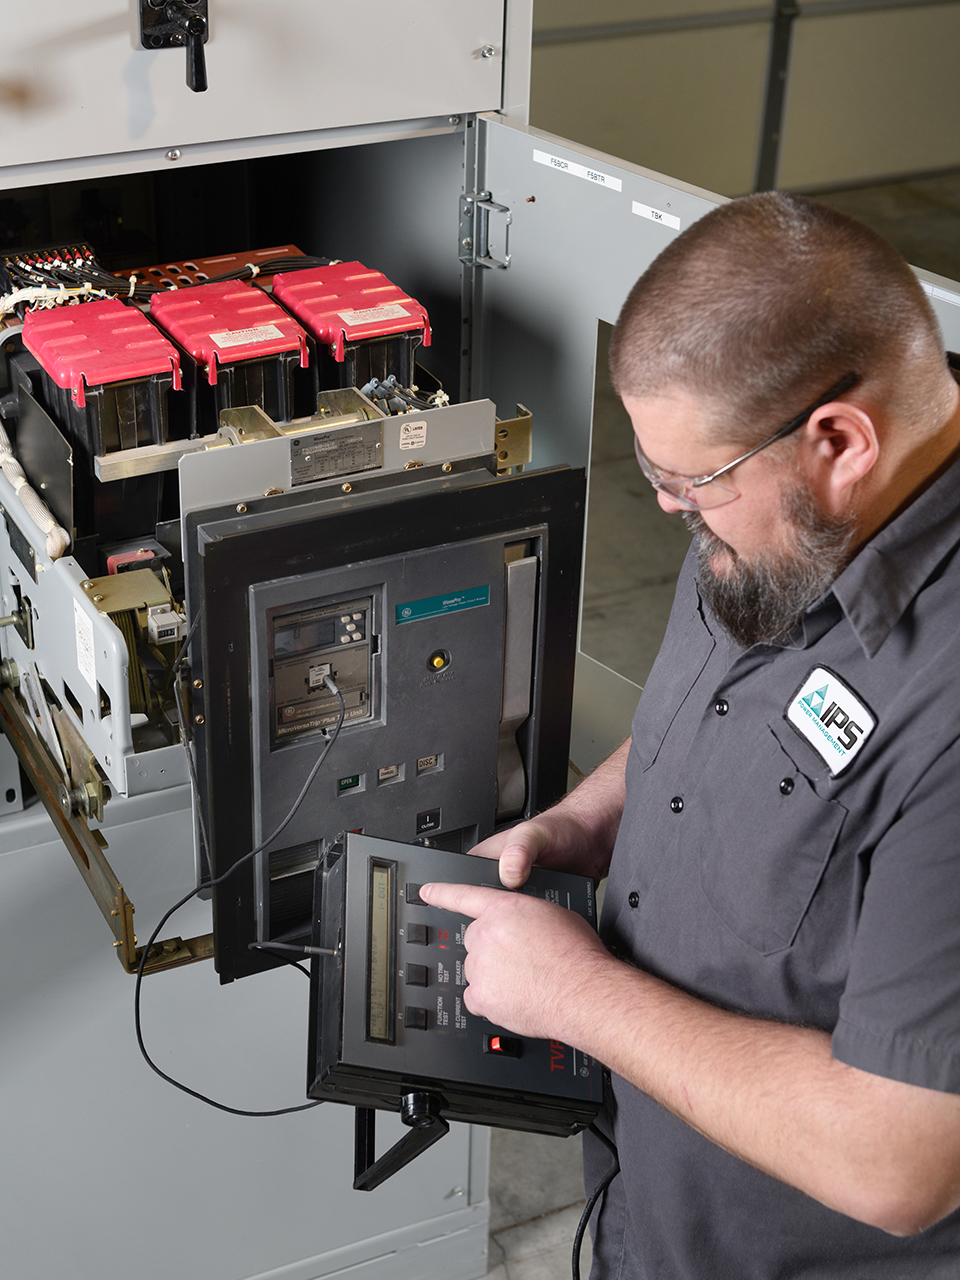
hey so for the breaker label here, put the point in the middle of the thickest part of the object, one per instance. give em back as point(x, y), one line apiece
point(247, 337)
point(578, 170)
point(370, 315)
point(655, 215)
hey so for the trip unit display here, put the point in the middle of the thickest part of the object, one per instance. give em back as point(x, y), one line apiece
point(330, 639)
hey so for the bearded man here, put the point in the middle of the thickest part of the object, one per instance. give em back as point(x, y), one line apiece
point(776, 985)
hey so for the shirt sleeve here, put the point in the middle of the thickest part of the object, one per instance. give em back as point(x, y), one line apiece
point(900, 1011)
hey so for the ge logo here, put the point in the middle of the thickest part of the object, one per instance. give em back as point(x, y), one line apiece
point(584, 1071)
point(405, 613)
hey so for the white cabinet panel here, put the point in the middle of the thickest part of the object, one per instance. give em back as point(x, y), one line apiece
point(75, 82)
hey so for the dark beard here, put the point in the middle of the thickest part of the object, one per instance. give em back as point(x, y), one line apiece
point(762, 600)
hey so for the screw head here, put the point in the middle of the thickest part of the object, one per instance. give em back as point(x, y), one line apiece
point(97, 599)
point(466, 242)
point(488, 51)
point(454, 120)
point(198, 719)
point(241, 508)
point(86, 585)
point(447, 467)
point(198, 684)
point(174, 153)
point(346, 488)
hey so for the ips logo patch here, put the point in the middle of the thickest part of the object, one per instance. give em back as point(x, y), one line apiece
point(831, 717)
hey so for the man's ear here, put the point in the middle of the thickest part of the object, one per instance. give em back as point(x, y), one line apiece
point(843, 447)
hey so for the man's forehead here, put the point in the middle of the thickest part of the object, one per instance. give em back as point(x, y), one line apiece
point(676, 429)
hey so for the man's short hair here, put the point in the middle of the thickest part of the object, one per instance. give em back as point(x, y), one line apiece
point(763, 304)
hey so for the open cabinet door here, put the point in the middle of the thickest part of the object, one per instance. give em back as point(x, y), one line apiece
point(575, 230)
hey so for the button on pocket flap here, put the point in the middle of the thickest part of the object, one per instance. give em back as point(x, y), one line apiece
point(766, 839)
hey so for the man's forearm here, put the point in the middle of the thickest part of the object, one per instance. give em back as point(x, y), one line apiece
point(877, 1150)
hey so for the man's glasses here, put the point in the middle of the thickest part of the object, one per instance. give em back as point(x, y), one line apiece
point(698, 493)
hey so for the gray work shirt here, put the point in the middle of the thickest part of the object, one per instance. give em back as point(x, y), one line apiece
point(765, 866)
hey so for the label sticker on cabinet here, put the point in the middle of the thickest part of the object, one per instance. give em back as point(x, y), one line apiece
point(578, 170)
point(655, 215)
point(413, 435)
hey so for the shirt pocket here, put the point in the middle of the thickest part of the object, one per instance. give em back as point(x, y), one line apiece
point(766, 837)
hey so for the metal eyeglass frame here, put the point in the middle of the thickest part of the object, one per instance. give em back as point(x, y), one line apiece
point(684, 483)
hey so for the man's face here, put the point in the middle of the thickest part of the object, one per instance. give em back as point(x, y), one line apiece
point(765, 556)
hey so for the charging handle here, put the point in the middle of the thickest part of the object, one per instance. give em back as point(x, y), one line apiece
point(421, 1111)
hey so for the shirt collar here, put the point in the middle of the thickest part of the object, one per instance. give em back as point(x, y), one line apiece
point(880, 582)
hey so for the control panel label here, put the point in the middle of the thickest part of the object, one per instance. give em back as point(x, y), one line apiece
point(655, 215)
point(578, 170)
point(436, 606)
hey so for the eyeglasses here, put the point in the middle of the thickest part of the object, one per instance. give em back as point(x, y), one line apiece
point(697, 493)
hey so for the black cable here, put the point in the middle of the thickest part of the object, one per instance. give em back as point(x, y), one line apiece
point(210, 884)
point(595, 1195)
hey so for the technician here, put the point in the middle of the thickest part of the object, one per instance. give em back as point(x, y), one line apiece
point(777, 989)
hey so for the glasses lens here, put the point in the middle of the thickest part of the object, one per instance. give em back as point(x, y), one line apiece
point(684, 489)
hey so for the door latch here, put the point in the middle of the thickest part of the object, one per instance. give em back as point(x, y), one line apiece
point(479, 217)
point(173, 24)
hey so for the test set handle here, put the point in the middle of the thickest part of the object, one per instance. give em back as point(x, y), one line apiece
point(194, 27)
point(421, 1113)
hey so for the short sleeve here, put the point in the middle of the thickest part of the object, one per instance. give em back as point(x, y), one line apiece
point(900, 1011)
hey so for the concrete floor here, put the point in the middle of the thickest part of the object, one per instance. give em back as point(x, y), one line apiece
point(633, 554)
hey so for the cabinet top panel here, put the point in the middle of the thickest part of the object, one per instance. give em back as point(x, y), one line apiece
point(75, 81)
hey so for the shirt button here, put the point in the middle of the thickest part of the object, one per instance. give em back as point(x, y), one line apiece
point(634, 899)
point(786, 786)
point(721, 706)
point(676, 804)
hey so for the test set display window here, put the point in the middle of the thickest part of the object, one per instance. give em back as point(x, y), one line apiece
point(381, 951)
point(309, 643)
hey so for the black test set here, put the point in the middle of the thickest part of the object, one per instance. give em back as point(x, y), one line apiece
point(389, 1029)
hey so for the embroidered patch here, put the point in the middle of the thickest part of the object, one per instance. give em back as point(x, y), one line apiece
point(831, 717)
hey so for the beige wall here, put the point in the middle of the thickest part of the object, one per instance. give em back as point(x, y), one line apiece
point(870, 95)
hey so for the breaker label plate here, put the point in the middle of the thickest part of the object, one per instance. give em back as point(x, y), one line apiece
point(436, 606)
point(339, 451)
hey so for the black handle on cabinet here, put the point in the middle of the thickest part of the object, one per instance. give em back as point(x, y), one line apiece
point(194, 27)
point(171, 24)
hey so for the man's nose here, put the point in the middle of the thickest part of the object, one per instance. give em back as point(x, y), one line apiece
point(669, 503)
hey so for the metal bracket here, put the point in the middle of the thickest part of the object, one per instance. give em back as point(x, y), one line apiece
point(86, 847)
point(476, 210)
point(514, 441)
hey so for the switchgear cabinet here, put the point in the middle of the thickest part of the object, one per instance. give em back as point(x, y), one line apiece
point(369, 133)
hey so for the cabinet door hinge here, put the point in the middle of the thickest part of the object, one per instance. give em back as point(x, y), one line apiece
point(479, 217)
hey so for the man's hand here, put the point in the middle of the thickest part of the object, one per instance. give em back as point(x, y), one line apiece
point(576, 835)
point(527, 845)
point(526, 959)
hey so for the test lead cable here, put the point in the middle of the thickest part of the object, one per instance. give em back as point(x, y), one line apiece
point(210, 884)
